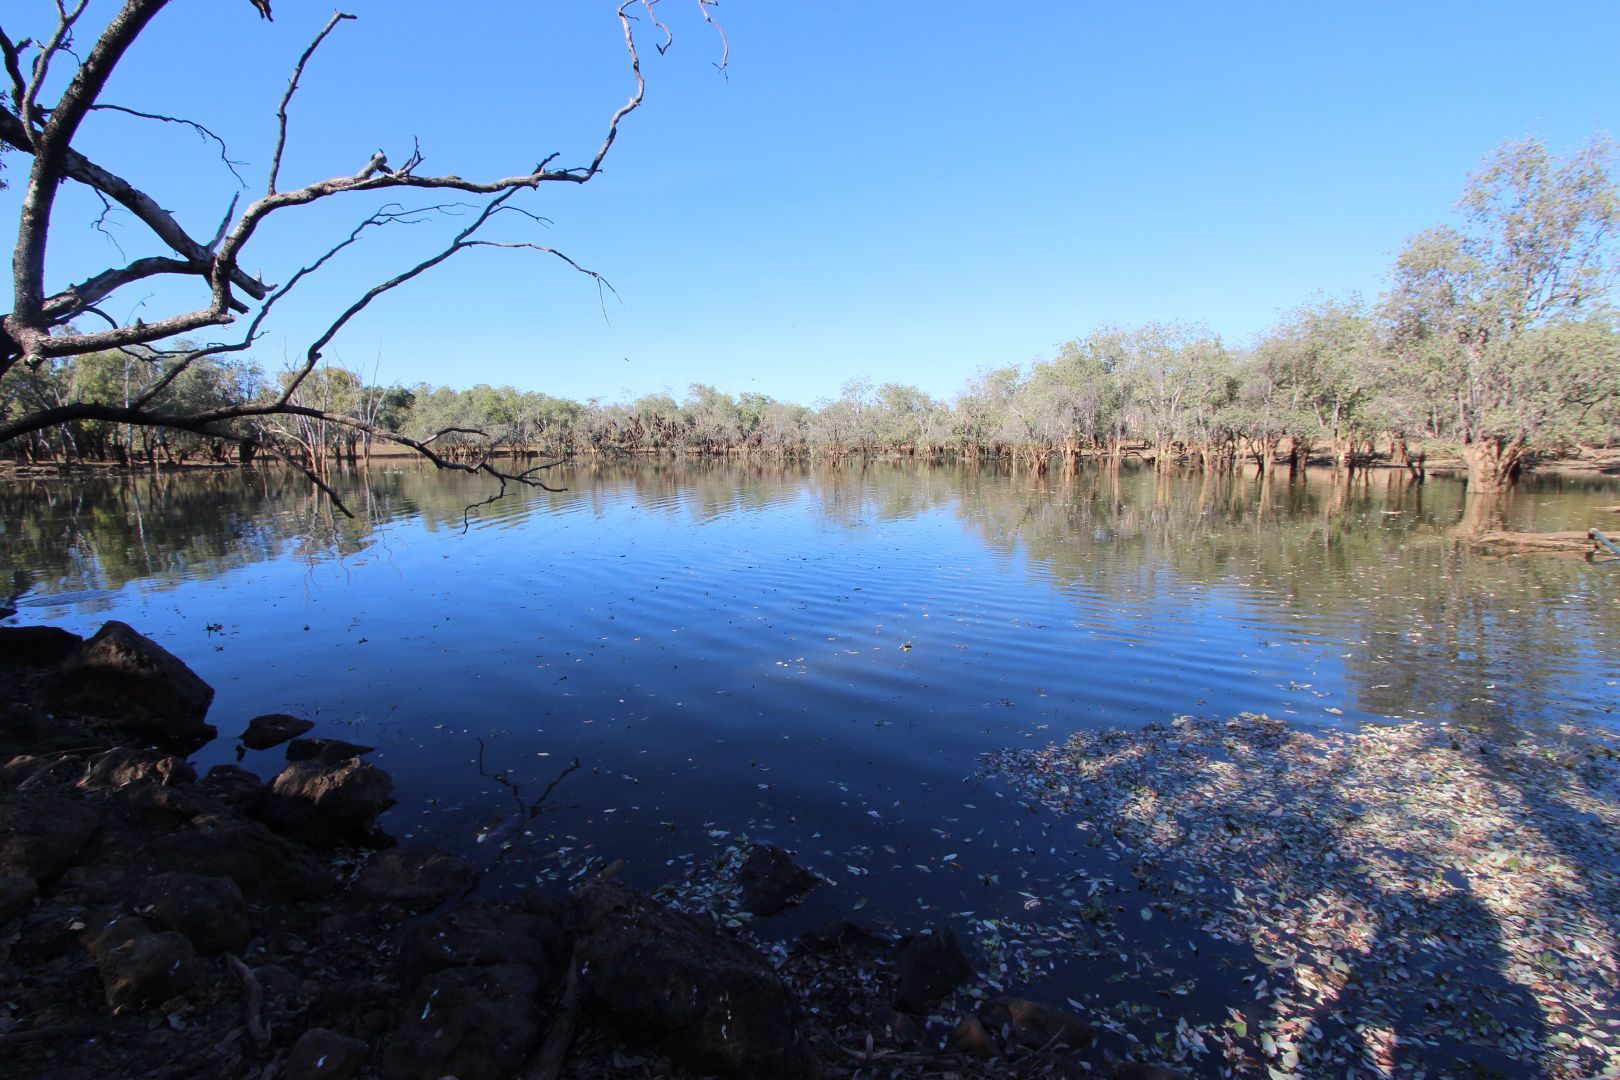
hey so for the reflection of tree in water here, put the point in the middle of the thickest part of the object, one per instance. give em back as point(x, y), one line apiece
point(1428, 624)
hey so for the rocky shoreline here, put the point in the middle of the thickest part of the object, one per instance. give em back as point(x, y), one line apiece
point(154, 923)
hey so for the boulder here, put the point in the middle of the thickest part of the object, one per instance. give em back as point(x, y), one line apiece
point(320, 1054)
point(132, 684)
point(771, 880)
point(208, 910)
point(928, 967)
point(662, 979)
point(273, 729)
point(41, 835)
point(264, 865)
point(36, 646)
point(124, 765)
point(466, 1022)
point(147, 971)
point(328, 805)
point(154, 804)
point(1036, 1025)
point(326, 751)
point(845, 935)
point(16, 893)
point(971, 1038)
point(483, 934)
point(237, 788)
point(417, 878)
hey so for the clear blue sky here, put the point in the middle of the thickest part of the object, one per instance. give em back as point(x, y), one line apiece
point(907, 192)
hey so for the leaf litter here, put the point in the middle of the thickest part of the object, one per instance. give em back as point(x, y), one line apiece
point(1407, 899)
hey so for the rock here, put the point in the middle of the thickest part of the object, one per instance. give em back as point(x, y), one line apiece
point(264, 865)
point(927, 968)
point(208, 910)
point(235, 787)
point(1035, 1025)
point(40, 835)
point(659, 978)
point(483, 934)
point(103, 934)
point(134, 685)
point(416, 878)
point(273, 729)
point(149, 970)
point(124, 765)
point(153, 804)
point(36, 646)
point(16, 893)
point(328, 805)
point(320, 1054)
point(971, 1038)
point(771, 880)
point(466, 1022)
point(326, 751)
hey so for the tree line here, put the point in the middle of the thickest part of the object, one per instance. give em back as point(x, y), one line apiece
point(1495, 337)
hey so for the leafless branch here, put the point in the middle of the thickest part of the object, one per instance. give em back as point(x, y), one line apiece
point(292, 88)
point(202, 132)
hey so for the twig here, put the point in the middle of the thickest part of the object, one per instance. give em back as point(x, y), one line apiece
point(253, 1005)
point(548, 1063)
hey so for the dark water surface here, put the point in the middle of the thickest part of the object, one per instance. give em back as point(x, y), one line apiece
point(813, 657)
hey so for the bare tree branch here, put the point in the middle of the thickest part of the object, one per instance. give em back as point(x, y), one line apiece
point(292, 88)
point(202, 132)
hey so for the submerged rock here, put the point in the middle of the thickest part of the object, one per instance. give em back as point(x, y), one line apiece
point(1036, 1025)
point(771, 880)
point(273, 729)
point(661, 979)
point(417, 878)
point(326, 751)
point(132, 684)
point(466, 1022)
point(927, 968)
point(327, 805)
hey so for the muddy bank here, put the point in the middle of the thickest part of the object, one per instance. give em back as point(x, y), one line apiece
point(157, 923)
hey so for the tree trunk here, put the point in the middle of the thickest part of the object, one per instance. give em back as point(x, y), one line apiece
point(1493, 463)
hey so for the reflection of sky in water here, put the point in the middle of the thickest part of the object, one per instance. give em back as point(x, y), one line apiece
point(814, 658)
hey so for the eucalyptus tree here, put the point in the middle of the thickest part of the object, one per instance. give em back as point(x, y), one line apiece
point(54, 83)
point(1326, 362)
point(1482, 316)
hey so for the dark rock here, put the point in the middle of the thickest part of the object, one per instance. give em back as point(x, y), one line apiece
point(326, 751)
point(149, 970)
point(134, 685)
point(235, 787)
point(273, 729)
point(266, 866)
point(107, 931)
point(327, 805)
point(7, 611)
point(656, 977)
point(971, 1038)
point(1035, 1025)
point(320, 1054)
point(124, 765)
point(466, 1022)
point(842, 935)
point(208, 910)
point(36, 646)
point(483, 934)
point(40, 835)
point(927, 968)
point(771, 880)
point(416, 878)
point(153, 804)
point(16, 893)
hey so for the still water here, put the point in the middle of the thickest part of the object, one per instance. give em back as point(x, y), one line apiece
point(815, 657)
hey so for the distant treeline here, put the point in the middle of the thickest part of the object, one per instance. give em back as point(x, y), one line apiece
point(1496, 337)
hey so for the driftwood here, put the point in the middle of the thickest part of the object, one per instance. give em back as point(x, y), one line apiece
point(1576, 542)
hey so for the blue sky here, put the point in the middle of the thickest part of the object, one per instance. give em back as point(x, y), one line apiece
point(911, 193)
